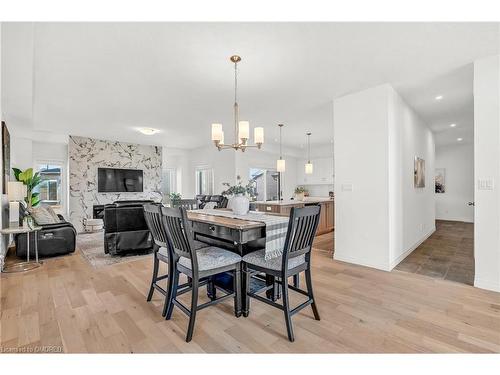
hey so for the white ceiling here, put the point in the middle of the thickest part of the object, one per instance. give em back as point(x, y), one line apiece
point(455, 107)
point(106, 79)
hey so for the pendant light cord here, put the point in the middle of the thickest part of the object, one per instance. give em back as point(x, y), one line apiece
point(281, 153)
point(236, 109)
point(309, 148)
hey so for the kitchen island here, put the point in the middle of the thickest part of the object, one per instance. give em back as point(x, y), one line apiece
point(327, 221)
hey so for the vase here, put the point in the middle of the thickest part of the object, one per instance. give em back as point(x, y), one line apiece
point(240, 204)
point(299, 196)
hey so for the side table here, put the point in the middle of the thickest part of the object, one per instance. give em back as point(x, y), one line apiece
point(23, 266)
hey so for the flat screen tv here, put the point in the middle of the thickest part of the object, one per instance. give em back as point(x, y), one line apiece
point(115, 180)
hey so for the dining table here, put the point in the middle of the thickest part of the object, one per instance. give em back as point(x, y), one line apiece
point(234, 234)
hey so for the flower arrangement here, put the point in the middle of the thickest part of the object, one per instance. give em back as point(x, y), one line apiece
point(300, 190)
point(239, 188)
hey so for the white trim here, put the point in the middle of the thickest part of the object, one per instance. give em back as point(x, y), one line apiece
point(487, 284)
point(459, 219)
point(400, 258)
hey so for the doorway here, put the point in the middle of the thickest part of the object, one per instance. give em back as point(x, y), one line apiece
point(449, 112)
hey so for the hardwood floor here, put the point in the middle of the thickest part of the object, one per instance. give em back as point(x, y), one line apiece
point(68, 304)
point(447, 254)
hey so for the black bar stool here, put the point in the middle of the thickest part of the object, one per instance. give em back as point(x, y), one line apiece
point(296, 258)
point(197, 265)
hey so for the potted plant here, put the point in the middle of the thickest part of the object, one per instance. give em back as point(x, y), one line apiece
point(240, 193)
point(300, 192)
point(174, 199)
point(31, 181)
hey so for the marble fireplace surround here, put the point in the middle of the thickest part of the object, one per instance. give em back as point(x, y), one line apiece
point(88, 154)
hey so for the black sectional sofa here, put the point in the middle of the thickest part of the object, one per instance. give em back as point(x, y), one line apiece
point(53, 239)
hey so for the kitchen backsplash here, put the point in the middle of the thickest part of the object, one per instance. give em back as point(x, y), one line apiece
point(319, 190)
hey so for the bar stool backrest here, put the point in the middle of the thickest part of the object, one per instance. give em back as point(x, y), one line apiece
point(301, 231)
point(152, 214)
point(180, 232)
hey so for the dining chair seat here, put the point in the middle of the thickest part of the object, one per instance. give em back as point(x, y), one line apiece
point(257, 258)
point(197, 245)
point(210, 258)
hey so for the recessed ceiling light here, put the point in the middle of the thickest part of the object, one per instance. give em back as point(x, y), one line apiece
point(148, 131)
point(439, 97)
point(460, 139)
point(453, 125)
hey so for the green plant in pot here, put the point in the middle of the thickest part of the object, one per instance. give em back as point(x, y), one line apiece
point(174, 199)
point(31, 181)
point(240, 193)
point(300, 193)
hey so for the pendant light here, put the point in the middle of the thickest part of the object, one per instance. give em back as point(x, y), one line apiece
point(280, 163)
point(309, 166)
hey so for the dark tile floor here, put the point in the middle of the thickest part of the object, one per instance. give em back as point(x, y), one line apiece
point(448, 254)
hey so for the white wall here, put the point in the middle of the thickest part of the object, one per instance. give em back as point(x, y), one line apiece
point(25, 153)
point(412, 210)
point(222, 163)
point(21, 152)
point(362, 215)
point(178, 159)
point(3, 197)
point(487, 169)
point(227, 164)
point(458, 162)
point(267, 160)
point(380, 216)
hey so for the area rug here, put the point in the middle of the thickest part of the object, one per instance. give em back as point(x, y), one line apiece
point(91, 246)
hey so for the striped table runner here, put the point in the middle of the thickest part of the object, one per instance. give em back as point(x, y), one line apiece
point(276, 228)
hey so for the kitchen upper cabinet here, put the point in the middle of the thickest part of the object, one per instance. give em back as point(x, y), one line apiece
point(322, 172)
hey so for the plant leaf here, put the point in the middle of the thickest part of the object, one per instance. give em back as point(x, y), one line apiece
point(17, 172)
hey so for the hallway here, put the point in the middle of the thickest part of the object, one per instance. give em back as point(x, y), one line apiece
point(448, 254)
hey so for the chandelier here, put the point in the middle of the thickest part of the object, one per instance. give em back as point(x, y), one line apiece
point(241, 128)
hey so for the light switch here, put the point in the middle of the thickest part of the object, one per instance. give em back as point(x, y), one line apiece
point(485, 184)
point(346, 187)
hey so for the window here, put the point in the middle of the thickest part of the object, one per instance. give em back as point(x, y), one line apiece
point(204, 181)
point(169, 181)
point(50, 187)
point(267, 182)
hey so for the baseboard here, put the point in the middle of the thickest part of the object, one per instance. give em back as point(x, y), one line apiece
point(400, 258)
point(354, 260)
point(459, 219)
point(487, 284)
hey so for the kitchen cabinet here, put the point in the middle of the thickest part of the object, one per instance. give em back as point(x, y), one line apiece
point(326, 222)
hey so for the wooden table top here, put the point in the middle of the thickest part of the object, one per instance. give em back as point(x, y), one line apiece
point(224, 221)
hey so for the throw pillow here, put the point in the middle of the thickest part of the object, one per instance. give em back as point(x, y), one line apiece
point(210, 206)
point(53, 214)
point(42, 216)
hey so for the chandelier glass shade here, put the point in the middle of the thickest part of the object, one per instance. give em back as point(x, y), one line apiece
point(241, 128)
